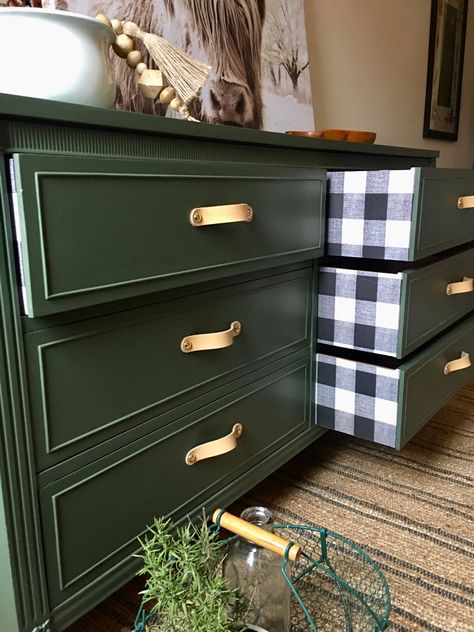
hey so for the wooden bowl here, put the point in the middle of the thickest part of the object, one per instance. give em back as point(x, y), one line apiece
point(351, 136)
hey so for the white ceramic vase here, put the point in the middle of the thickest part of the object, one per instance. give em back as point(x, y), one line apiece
point(56, 55)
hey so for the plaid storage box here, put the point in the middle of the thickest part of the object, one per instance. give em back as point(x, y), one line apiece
point(359, 309)
point(356, 398)
point(369, 213)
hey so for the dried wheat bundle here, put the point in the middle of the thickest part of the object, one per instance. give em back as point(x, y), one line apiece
point(186, 74)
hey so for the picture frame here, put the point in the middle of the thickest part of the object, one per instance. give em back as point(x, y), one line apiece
point(445, 69)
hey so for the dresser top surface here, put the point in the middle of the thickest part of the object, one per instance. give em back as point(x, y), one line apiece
point(44, 111)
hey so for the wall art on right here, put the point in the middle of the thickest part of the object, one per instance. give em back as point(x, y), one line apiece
point(445, 66)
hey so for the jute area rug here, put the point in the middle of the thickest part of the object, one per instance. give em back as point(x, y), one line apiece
point(411, 511)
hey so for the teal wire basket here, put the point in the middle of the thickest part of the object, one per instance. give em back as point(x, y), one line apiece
point(335, 585)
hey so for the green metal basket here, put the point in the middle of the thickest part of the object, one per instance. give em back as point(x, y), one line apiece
point(336, 586)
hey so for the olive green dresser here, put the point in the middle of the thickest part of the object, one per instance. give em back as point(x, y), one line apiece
point(158, 332)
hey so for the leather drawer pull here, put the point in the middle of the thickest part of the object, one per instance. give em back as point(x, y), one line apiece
point(216, 340)
point(224, 214)
point(214, 448)
point(464, 362)
point(466, 201)
point(461, 287)
point(256, 534)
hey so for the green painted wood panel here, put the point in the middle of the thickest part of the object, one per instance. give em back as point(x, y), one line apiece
point(424, 388)
point(426, 309)
point(96, 230)
point(21, 555)
point(439, 223)
point(92, 516)
point(10, 617)
point(66, 127)
point(93, 379)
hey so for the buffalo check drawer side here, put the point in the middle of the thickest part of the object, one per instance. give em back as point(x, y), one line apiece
point(401, 215)
point(390, 405)
point(393, 313)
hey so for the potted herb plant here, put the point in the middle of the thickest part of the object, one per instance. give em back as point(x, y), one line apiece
point(185, 586)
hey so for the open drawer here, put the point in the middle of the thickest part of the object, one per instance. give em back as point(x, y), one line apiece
point(393, 314)
point(389, 406)
point(93, 230)
point(403, 215)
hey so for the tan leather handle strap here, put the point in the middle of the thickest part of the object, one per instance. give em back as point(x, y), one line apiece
point(466, 201)
point(255, 534)
point(214, 448)
point(461, 287)
point(216, 340)
point(464, 362)
point(224, 214)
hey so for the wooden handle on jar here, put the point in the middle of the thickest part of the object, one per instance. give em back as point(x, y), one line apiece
point(257, 535)
point(215, 340)
point(223, 214)
point(461, 287)
point(464, 362)
point(466, 201)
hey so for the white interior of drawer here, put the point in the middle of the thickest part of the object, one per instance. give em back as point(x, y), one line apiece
point(16, 220)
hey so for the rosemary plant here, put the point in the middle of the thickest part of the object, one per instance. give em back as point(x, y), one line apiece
point(185, 581)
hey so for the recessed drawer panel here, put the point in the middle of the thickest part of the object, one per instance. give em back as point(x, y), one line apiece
point(389, 406)
point(393, 314)
point(149, 477)
point(92, 379)
point(96, 230)
point(403, 215)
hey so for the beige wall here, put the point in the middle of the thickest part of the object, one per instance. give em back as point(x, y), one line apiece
point(368, 61)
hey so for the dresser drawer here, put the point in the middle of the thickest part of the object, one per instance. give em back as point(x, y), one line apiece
point(402, 215)
point(389, 406)
point(96, 230)
point(93, 379)
point(393, 314)
point(149, 477)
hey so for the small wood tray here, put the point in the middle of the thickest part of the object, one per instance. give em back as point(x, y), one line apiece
point(351, 136)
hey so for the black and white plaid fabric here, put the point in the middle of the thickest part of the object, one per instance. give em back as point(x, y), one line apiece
point(369, 213)
point(357, 398)
point(359, 310)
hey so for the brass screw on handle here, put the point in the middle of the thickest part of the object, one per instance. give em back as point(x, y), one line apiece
point(238, 430)
point(191, 458)
point(236, 328)
point(186, 345)
point(249, 213)
point(197, 217)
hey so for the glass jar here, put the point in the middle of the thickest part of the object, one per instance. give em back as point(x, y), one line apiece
point(257, 573)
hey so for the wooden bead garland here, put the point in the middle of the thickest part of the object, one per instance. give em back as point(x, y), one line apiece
point(152, 83)
point(134, 58)
point(104, 19)
point(117, 26)
point(141, 67)
point(123, 45)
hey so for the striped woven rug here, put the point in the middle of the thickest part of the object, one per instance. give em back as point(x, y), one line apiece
point(411, 511)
